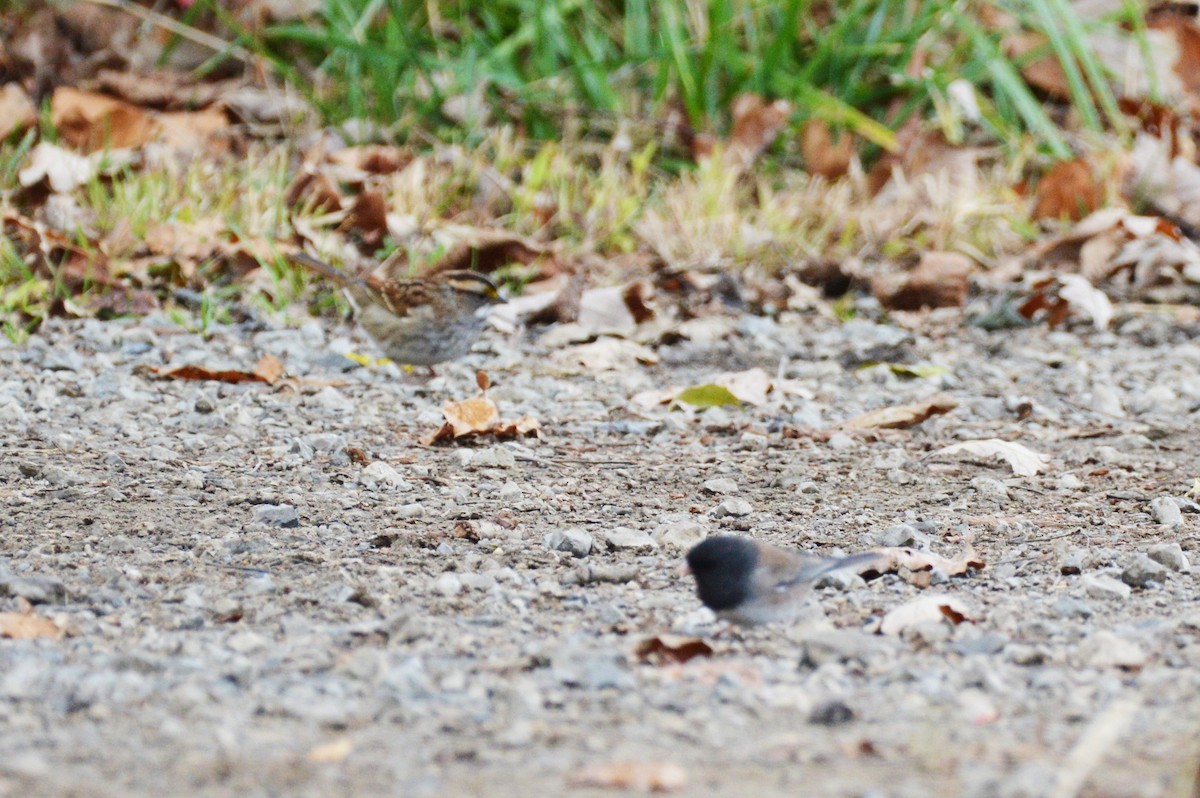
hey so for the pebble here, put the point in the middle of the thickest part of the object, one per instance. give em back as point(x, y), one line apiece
point(679, 535)
point(448, 584)
point(841, 442)
point(1105, 649)
point(623, 537)
point(1166, 511)
point(283, 515)
point(1143, 572)
point(991, 488)
point(753, 442)
point(1171, 555)
point(901, 535)
point(1069, 482)
point(1102, 586)
point(34, 589)
point(509, 492)
point(379, 472)
point(410, 510)
point(721, 485)
point(732, 507)
point(573, 541)
point(1068, 607)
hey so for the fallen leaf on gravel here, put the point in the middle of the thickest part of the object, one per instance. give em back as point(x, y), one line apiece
point(750, 386)
point(480, 416)
point(474, 415)
point(704, 396)
point(27, 626)
point(268, 369)
point(617, 310)
point(1025, 462)
point(1081, 294)
point(609, 354)
point(902, 416)
point(823, 154)
point(895, 558)
point(626, 775)
point(926, 609)
point(671, 649)
point(331, 752)
point(938, 281)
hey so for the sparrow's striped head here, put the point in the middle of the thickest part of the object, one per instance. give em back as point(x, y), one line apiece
point(473, 284)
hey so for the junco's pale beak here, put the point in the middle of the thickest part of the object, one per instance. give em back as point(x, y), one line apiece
point(751, 583)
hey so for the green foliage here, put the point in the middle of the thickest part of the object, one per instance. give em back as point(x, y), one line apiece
point(454, 67)
point(704, 396)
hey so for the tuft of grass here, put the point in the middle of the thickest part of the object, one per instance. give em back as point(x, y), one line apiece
point(553, 66)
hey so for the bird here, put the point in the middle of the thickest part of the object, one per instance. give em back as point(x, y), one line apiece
point(420, 321)
point(750, 583)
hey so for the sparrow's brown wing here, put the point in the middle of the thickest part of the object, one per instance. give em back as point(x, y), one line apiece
point(397, 297)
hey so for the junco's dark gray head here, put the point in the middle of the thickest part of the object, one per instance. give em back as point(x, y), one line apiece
point(723, 567)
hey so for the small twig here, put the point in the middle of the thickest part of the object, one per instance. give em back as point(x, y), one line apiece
point(214, 43)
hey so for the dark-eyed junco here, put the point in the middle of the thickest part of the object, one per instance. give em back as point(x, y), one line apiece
point(751, 583)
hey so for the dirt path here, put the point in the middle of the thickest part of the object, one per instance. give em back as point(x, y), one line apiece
point(252, 612)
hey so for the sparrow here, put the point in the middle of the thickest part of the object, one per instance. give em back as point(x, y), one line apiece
point(420, 321)
point(751, 583)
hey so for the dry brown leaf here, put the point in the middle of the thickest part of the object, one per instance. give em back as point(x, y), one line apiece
point(315, 190)
point(485, 250)
point(617, 310)
point(474, 415)
point(824, 154)
point(368, 215)
point(902, 416)
point(89, 121)
point(1071, 189)
point(750, 386)
point(756, 123)
point(374, 159)
point(267, 370)
point(1024, 461)
point(628, 775)
point(62, 170)
point(523, 427)
point(897, 558)
point(195, 130)
point(671, 649)
point(1045, 72)
point(17, 111)
point(940, 280)
point(28, 626)
point(1187, 35)
point(924, 610)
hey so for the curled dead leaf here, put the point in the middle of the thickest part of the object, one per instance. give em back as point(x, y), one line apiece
point(28, 626)
point(1071, 189)
point(268, 370)
point(17, 111)
point(1024, 461)
point(896, 558)
point(940, 280)
point(924, 610)
point(89, 121)
point(671, 649)
point(902, 416)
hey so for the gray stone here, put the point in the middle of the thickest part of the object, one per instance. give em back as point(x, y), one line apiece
point(410, 510)
point(680, 536)
point(845, 645)
point(722, 485)
point(1171, 555)
point(985, 644)
point(1067, 607)
point(753, 442)
point(1105, 649)
point(283, 515)
point(574, 541)
point(991, 488)
point(623, 537)
point(901, 535)
point(34, 589)
point(448, 584)
point(1103, 586)
point(1166, 511)
point(1142, 572)
point(732, 507)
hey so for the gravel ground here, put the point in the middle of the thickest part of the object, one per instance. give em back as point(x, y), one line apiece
point(251, 610)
